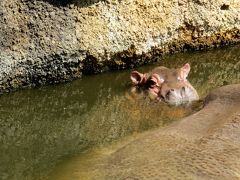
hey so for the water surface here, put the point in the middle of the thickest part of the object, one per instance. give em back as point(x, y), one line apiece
point(42, 126)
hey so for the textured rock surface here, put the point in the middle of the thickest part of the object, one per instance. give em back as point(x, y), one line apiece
point(49, 41)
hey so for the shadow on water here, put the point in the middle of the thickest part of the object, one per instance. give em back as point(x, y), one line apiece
point(38, 127)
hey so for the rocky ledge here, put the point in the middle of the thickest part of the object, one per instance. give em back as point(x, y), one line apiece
point(51, 41)
point(205, 145)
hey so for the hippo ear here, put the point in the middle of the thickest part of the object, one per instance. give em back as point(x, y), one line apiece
point(184, 71)
point(137, 78)
point(155, 80)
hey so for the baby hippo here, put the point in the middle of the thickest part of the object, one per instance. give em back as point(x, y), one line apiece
point(168, 85)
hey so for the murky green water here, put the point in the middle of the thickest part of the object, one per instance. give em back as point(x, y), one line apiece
point(40, 127)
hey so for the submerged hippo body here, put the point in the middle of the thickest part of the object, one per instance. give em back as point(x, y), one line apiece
point(168, 85)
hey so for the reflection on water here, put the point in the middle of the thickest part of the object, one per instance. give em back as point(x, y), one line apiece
point(39, 127)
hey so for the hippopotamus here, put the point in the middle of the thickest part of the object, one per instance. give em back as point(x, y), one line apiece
point(167, 85)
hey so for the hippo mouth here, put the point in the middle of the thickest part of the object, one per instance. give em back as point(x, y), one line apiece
point(178, 96)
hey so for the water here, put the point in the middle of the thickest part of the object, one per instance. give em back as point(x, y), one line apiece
point(41, 127)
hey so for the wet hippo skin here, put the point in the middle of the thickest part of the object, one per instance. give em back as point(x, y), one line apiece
point(205, 145)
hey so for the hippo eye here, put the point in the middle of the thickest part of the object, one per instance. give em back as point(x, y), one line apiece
point(161, 80)
point(178, 78)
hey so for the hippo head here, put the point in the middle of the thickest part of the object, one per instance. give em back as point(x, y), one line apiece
point(168, 85)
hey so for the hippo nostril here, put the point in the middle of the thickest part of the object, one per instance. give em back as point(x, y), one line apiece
point(168, 94)
point(171, 90)
point(161, 96)
point(183, 92)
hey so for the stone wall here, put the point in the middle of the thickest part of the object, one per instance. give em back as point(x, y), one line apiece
point(50, 41)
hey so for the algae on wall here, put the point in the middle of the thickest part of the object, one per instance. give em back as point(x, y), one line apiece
point(50, 41)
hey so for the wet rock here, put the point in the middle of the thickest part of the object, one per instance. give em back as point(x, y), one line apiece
point(204, 145)
point(65, 38)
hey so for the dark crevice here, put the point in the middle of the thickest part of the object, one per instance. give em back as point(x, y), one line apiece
point(224, 7)
point(65, 3)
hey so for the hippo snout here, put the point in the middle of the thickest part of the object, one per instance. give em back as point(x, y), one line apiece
point(180, 95)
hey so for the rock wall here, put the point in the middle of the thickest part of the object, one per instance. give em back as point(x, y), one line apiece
point(50, 41)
